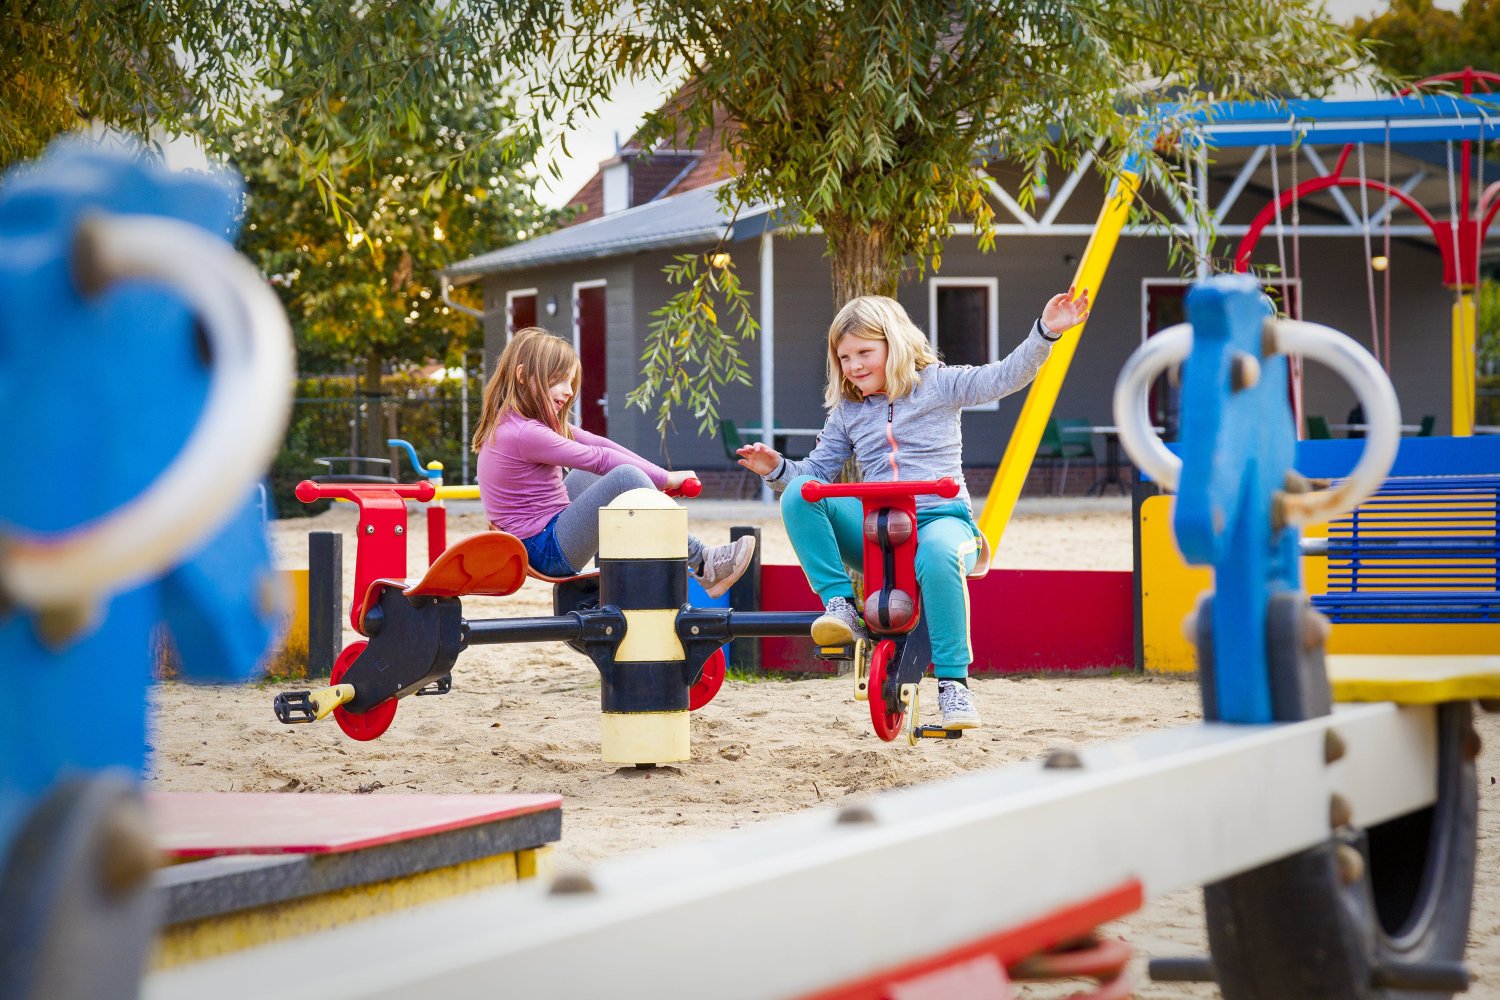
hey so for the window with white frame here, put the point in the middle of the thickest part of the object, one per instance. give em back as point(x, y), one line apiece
point(963, 321)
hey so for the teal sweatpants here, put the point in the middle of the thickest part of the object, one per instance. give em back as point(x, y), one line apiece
point(829, 534)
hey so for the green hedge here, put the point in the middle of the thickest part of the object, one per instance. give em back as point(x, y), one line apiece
point(428, 414)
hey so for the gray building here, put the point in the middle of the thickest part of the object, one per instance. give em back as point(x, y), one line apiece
point(598, 282)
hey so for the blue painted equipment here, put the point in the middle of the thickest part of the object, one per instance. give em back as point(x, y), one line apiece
point(137, 346)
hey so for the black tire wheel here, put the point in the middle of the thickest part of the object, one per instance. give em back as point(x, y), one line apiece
point(1294, 930)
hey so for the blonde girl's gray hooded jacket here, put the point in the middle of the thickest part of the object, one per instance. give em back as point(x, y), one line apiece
point(919, 436)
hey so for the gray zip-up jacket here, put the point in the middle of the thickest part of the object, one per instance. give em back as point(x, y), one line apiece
point(919, 436)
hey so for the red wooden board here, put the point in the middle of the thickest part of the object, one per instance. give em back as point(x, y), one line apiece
point(1020, 620)
point(207, 824)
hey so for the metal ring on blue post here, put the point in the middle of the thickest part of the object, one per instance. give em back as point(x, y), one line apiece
point(237, 434)
point(1313, 340)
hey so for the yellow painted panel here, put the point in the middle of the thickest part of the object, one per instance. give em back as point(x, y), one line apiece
point(1414, 680)
point(643, 524)
point(536, 862)
point(1463, 365)
point(197, 940)
point(650, 636)
point(1170, 589)
point(1169, 592)
point(644, 737)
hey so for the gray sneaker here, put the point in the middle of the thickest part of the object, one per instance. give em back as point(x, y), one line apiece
point(957, 705)
point(839, 625)
point(724, 564)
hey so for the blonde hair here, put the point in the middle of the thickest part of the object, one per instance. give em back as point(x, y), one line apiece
point(530, 365)
point(876, 317)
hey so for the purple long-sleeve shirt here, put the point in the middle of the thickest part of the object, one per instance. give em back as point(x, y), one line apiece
point(521, 471)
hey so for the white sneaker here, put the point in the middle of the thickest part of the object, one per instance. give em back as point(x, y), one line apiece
point(957, 705)
point(839, 625)
point(724, 564)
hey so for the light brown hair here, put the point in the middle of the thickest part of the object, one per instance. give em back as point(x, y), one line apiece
point(876, 317)
point(530, 365)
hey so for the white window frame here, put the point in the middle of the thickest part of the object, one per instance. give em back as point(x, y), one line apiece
point(510, 298)
point(992, 284)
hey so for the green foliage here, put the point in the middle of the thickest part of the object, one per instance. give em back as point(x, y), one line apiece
point(285, 70)
point(1416, 38)
point(688, 354)
point(373, 290)
point(874, 120)
point(1487, 323)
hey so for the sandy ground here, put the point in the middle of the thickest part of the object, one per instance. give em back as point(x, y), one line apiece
point(525, 718)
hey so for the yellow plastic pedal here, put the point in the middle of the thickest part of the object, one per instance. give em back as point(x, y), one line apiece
point(836, 652)
point(938, 733)
point(1413, 680)
point(325, 700)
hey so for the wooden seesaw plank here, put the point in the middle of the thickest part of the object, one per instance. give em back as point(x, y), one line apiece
point(262, 867)
point(849, 892)
point(1413, 680)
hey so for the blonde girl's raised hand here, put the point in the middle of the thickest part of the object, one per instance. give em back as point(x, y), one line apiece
point(1066, 310)
point(760, 458)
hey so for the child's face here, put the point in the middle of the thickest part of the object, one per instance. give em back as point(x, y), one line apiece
point(561, 392)
point(862, 362)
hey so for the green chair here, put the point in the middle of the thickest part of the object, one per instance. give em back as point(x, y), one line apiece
point(729, 434)
point(1317, 428)
point(1428, 422)
point(1077, 437)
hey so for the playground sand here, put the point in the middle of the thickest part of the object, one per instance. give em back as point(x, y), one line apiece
point(526, 719)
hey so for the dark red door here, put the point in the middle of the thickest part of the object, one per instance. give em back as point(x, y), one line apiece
point(593, 402)
point(522, 312)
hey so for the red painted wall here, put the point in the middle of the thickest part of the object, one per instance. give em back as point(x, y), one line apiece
point(1021, 620)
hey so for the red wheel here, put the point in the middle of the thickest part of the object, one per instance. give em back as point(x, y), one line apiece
point(709, 681)
point(887, 723)
point(372, 723)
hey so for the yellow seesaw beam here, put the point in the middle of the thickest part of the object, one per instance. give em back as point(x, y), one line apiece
point(1021, 449)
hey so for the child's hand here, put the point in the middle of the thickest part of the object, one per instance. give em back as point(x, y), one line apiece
point(760, 458)
point(676, 479)
point(1066, 311)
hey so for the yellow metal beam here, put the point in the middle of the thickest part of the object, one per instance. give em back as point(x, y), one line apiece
point(1463, 365)
point(1019, 453)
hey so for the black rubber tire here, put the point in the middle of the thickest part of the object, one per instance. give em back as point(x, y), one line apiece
point(1292, 930)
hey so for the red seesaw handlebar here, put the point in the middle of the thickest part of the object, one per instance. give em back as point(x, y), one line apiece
point(689, 488)
point(308, 491)
point(946, 488)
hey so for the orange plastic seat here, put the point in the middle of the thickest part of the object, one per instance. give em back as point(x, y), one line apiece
point(492, 564)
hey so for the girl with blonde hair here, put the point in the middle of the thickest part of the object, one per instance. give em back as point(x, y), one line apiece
point(524, 441)
point(896, 409)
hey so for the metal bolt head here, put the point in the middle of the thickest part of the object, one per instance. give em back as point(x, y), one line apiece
point(1244, 372)
point(369, 529)
point(1340, 812)
point(127, 852)
point(400, 529)
point(696, 630)
point(1351, 864)
point(1333, 747)
point(1315, 629)
point(1063, 758)
point(609, 630)
point(572, 883)
point(855, 814)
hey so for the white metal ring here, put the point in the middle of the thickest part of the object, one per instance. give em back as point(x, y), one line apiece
point(1313, 340)
point(1132, 390)
point(237, 434)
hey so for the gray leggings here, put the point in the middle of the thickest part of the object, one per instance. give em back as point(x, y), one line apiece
point(578, 525)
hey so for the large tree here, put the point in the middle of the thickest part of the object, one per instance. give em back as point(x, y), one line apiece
point(369, 294)
point(1417, 38)
point(160, 68)
point(868, 118)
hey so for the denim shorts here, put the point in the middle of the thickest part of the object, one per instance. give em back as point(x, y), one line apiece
point(545, 554)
